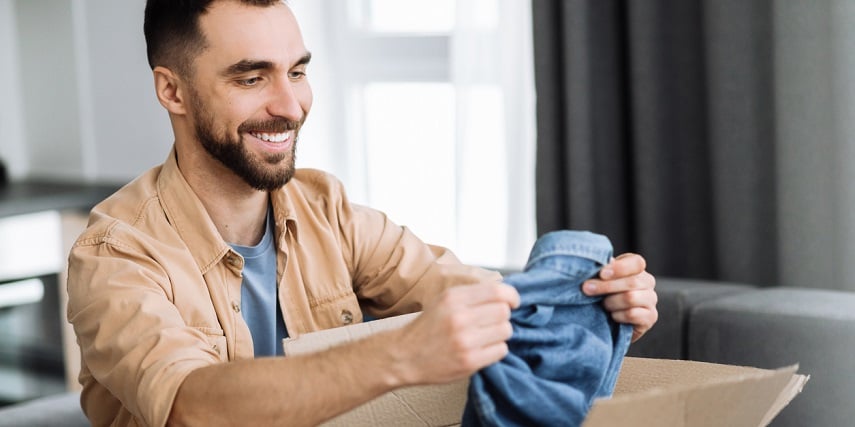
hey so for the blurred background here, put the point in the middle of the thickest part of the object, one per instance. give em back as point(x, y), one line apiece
point(411, 98)
point(715, 137)
point(712, 136)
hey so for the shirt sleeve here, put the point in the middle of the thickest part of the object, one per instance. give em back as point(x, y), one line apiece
point(133, 340)
point(395, 272)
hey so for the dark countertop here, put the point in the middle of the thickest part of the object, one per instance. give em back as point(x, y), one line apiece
point(36, 195)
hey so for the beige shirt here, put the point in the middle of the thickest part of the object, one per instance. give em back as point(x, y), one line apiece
point(154, 291)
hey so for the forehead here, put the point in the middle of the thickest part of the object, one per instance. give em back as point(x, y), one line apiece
point(234, 32)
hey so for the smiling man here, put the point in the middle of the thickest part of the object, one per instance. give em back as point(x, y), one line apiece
point(188, 277)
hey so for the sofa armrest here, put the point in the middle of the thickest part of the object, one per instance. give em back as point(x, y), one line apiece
point(55, 410)
point(668, 339)
point(776, 327)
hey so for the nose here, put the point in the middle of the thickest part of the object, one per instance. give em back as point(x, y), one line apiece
point(288, 101)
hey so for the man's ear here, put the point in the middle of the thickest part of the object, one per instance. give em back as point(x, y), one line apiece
point(169, 90)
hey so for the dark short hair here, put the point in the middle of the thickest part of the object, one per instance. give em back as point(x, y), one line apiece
point(172, 34)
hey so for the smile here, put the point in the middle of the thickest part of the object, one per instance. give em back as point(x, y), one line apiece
point(272, 137)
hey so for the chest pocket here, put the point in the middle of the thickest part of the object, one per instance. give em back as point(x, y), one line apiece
point(340, 311)
point(216, 339)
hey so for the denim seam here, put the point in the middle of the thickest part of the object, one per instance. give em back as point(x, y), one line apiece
point(600, 256)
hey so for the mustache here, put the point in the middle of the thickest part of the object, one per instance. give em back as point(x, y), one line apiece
point(273, 125)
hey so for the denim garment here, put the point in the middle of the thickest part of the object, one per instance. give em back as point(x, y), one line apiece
point(565, 350)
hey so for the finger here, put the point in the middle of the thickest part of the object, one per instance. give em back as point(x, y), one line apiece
point(473, 361)
point(510, 295)
point(483, 293)
point(486, 336)
point(482, 325)
point(489, 314)
point(493, 353)
point(478, 316)
point(624, 265)
point(625, 300)
point(641, 318)
point(474, 326)
point(641, 281)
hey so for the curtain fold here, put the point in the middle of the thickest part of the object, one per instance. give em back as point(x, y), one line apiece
point(656, 127)
point(493, 76)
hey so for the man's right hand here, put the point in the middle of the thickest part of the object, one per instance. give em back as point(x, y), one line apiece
point(462, 331)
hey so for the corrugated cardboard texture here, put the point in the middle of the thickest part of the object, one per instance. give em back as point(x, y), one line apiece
point(649, 392)
point(653, 392)
point(438, 405)
point(317, 341)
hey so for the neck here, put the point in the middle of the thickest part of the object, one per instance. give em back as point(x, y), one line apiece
point(240, 218)
point(238, 211)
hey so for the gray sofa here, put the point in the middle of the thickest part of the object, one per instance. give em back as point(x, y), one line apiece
point(62, 410)
point(767, 328)
point(729, 323)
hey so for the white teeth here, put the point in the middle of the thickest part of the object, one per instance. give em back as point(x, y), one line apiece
point(272, 137)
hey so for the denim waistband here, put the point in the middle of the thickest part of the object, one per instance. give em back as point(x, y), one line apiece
point(565, 351)
point(581, 244)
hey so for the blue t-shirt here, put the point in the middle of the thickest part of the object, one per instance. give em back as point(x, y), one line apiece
point(259, 302)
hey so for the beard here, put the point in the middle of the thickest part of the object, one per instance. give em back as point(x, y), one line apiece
point(265, 173)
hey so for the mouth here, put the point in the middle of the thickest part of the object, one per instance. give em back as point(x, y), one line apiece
point(276, 138)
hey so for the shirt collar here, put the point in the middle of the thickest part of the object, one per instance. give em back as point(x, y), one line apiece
point(190, 219)
point(188, 216)
point(284, 213)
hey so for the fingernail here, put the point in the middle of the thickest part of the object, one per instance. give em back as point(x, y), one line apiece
point(589, 287)
point(607, 273)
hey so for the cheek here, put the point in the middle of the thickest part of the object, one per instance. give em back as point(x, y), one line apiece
point(231, 104)
point(232, 113)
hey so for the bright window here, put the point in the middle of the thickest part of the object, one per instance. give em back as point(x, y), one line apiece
point(410, 150)
point(397, 16)
point(425, 117)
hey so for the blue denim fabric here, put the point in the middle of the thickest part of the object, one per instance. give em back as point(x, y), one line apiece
point(565, 350)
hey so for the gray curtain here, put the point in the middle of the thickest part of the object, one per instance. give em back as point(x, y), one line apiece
point(655, 123)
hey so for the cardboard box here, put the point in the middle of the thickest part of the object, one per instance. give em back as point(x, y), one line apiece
point(649, 392)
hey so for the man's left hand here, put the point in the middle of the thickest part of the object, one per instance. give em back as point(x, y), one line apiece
point(629, 289)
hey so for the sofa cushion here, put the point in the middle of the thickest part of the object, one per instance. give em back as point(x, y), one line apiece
point(56, 410)
point(677, 297)
point(776, 327)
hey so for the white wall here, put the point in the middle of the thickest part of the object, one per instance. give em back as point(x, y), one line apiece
point(12, 150)
point(79, 102)
point(76, 101)
point(48, 81)
point(130, 128)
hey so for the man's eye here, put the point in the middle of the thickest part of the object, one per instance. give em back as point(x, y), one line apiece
point(296, 75)
point(252, 81)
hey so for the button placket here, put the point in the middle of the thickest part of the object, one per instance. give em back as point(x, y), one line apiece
point(234, 261)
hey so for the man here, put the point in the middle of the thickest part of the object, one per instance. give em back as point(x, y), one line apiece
point(225, 248)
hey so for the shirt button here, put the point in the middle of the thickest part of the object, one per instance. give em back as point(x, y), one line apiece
point(234, 261)
point(236, 307)
point(346, 317)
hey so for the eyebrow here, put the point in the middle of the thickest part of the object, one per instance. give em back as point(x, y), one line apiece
point(248, 65)
point(304, 59)
point(245, 66)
